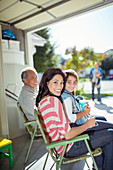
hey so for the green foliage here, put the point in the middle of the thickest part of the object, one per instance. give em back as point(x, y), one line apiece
point(80, 91)
point(107, 63)
point(84, 79)
point(73, 63)
point(45, 57)
point(83, 59)
point(87, 96)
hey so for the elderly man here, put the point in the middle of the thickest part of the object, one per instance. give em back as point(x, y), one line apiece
point(95, 76)
point(29, 92)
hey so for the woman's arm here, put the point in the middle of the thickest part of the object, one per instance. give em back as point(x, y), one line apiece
point(75, 131)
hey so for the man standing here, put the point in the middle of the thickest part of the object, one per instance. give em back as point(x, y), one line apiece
point(29, 92)
point(95, 76)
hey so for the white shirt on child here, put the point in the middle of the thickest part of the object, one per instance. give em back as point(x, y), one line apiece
point(69, 109)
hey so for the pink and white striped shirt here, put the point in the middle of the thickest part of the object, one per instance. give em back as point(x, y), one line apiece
point(55, 121)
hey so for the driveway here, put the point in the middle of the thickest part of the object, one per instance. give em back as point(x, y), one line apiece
point(104, 109)
point(106, 86)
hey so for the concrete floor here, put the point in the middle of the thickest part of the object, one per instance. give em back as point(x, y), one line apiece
point(21, 144)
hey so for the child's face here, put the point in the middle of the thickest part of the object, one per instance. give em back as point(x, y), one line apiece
point(71, 84)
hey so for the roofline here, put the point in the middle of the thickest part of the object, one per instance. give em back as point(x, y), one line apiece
point(99, 5)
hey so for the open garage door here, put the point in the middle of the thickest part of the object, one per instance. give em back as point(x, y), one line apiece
point(31, 15)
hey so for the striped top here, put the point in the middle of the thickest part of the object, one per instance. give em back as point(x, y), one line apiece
point(55, 121)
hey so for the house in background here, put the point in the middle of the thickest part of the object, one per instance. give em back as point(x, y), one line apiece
point(110, 73)
point(85, 72)
point(108, 52)
point(24, 18)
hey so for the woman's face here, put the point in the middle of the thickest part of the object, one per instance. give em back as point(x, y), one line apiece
point(56, 84)
point(71, 84)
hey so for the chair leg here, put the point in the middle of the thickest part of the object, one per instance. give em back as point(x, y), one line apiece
point(57, 166)
point(32, 138)
point(10, 156)
point(61, 158)
point(45, 161)
point(91, 154)
point(87, 164)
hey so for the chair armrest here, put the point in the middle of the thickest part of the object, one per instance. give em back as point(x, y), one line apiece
point(65, 142)
point(30, 123)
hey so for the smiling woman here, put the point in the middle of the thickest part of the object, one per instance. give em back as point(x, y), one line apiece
point(52, 83)
point(56, 124)
point(55, 85)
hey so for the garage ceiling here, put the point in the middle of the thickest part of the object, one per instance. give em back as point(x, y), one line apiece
point(30, 15)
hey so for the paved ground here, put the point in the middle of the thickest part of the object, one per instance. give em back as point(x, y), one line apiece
point(106, 86)
point(38, 151)
point(105, 109)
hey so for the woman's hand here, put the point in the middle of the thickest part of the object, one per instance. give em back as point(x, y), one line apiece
point(75, 131)
point(90, 122)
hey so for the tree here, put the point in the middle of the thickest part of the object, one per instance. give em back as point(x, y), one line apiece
point(74, 62)
point(107, 63)
point(45, 57)
point(83, 59)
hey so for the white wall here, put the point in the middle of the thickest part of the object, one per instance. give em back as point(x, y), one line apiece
point(3, 113)
point(13, 59)
point(11, 78)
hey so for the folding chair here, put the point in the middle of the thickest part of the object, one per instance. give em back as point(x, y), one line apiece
point(6, 144)
point(60, 159)
point(34, 132)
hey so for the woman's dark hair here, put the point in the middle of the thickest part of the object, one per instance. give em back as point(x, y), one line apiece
point(46, 77)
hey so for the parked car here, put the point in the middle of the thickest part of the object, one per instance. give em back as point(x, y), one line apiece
point(110, 75)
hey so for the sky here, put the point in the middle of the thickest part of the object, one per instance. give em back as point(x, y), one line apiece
point(94, 30)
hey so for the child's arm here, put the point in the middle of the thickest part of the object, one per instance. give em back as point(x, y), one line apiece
point(85, 111)
point(68, 109)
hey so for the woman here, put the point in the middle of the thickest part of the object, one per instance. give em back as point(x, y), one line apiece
point(72, 105)
point(49, 103)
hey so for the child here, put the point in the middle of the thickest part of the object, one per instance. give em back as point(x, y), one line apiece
point(71, 102)
point(77, 112)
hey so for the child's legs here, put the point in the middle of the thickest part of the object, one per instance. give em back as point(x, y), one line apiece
point(97, 117)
